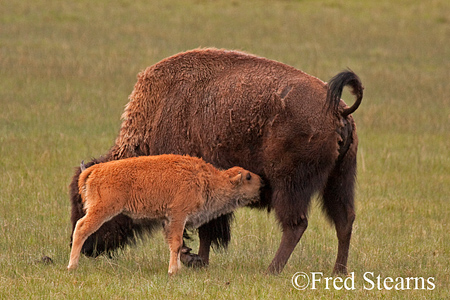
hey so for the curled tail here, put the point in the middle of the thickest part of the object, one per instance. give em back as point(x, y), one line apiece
point(337, 84)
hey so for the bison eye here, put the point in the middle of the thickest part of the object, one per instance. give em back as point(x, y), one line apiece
point(249, 176)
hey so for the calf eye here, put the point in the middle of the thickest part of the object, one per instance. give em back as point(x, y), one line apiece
point(249, 176)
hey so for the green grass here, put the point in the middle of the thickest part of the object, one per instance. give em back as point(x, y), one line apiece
point(67, 68)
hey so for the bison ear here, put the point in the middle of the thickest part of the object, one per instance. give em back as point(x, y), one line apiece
point(236, 180)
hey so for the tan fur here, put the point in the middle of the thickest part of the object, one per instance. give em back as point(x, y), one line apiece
point(178, 190)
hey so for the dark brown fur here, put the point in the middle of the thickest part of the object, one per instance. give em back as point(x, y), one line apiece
point(232, 108)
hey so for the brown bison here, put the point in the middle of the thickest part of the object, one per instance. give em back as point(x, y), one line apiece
point(233, 108)
point(177, 190)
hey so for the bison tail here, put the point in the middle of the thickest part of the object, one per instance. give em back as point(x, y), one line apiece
point(337, 84)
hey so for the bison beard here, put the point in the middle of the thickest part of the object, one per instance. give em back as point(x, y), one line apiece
point(232, 108)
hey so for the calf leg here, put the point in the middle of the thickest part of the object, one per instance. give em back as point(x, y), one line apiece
point(338, 197)
point(174, 236)
point(85, 226)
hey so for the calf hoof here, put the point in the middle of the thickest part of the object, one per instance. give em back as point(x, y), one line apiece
point(172, 272)
point(192, 260)
point(72, 267)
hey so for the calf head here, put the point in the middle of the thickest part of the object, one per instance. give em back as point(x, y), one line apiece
point(246, 185)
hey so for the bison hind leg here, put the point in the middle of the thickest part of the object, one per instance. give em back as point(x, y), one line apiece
point(338, 203)
point(291, 208)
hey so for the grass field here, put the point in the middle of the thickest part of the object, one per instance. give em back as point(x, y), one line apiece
point(67, 68)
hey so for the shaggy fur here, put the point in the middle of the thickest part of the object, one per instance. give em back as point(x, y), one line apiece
point(178, 190)
point(233, 108)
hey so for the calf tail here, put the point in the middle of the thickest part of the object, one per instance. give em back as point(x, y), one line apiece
point(75, 197)
point(337, 84)
point(85, 173)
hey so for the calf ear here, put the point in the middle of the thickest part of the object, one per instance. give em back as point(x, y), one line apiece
point(236, 180)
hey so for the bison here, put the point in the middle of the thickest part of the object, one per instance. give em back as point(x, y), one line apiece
point(232, 108)
point(177, 190)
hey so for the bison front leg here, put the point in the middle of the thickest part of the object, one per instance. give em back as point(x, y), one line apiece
point(197, 260)
point(216, 232)
point(202, 258)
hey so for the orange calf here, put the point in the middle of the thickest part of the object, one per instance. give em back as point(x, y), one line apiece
point(178, 190)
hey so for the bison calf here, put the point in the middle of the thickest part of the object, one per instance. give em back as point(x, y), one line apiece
point(178, 190)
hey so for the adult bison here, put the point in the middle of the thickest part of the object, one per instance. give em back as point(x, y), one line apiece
point(231, 108)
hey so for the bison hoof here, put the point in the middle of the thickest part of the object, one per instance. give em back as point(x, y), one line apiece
point(340, 270)
point(191, 260)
